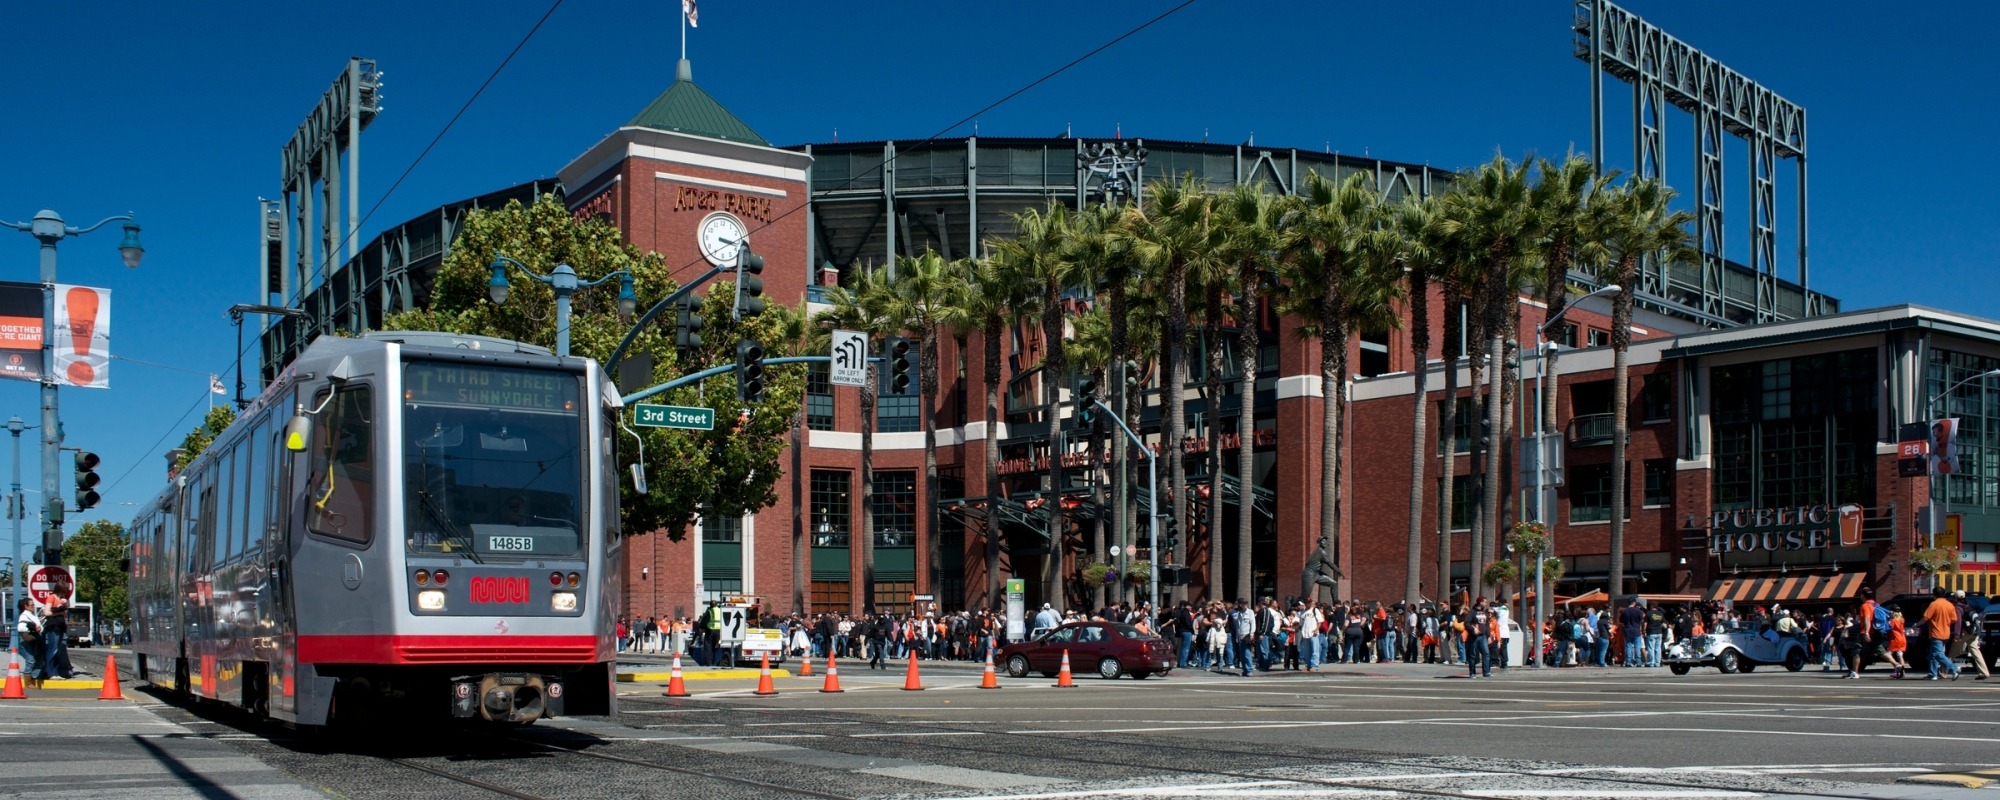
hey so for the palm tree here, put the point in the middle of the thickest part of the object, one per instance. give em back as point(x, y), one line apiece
point(1639, 221)
point(1036, 255)
point(1215, 280)
point(1172, 234)
point(918, 298)
point(1415, 237)
point(860, 308)
point(1250, 240)
point(1320, 233)
point(992, 298)
point(1497, 227)
point(1099, 244)
point(1565, 200)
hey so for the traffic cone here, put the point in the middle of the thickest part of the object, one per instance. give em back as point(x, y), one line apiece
point(764, 685)
point(1063, 679)
point(911, 681)
point(14, 689)
point(806, 668)
point(675, 686)
point(989, 680)
point(832, 677)
point(110, 690)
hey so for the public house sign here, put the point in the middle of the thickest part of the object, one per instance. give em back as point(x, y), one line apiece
point(1815, 527)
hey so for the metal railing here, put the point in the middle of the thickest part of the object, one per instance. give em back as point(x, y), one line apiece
point(1591, 430)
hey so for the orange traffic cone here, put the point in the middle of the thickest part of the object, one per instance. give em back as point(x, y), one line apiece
point(14, 689)
point(832, 677)
point(764, 686)
point(911, 681)
point(675, 686)
point(110, 690)
point(1063, 679)
point(806, 668)
point(989, 680)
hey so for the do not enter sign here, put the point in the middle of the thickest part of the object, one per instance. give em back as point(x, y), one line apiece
point(47, 580)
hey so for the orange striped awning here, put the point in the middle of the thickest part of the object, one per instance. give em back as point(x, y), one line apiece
point(1787, 589)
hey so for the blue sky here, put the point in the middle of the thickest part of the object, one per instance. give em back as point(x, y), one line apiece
point(176, 112)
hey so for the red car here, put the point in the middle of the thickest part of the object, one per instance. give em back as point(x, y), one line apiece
point(1110, 649)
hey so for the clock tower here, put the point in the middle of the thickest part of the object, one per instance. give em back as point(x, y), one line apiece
point(688, 180)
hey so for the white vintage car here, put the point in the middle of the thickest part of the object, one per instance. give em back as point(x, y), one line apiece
point(1736, 651)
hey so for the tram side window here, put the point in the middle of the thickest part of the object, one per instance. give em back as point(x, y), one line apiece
point(191, 529)
point(226, 545)
point(341, 491)
point(256, 476)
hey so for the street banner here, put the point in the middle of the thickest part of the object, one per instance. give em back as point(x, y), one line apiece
point(20, 331)
point(1944, 446)
point(83, 337)
point(850, 359)
point(1017, 627)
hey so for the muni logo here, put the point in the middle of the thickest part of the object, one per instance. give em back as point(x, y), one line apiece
point(498, 590)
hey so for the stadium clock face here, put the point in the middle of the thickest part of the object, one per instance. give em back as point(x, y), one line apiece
point(721, 237)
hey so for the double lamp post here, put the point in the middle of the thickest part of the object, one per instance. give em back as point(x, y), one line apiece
point(1541, 499)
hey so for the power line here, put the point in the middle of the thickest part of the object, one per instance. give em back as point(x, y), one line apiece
point(156, 445)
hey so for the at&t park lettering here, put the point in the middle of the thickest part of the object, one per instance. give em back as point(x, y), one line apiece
point(695, 199)
point(1772, 529)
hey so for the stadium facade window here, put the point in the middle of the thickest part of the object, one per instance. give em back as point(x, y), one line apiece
point(721, 528)
point(1795, 431)
point(1659, 481)
point(1589, 493)
point(831, 514)
point(1976, 405)
point(931, 166)
point(895, 505)
point(819, 398)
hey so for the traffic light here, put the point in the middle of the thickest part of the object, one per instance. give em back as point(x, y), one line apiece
point(1170, 533)
point(1086, 401)
point(749, 287)
point(749, 371)
point(687, 325)
point(86, 480)
point(899, 365)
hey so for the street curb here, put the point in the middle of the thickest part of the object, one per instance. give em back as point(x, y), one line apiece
point(704, 675)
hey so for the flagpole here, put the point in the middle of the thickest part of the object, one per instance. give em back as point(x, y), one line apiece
point(684, 33)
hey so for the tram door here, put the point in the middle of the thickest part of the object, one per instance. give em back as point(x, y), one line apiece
point(279, 546)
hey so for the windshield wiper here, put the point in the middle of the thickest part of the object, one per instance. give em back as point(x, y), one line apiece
point(451, 531)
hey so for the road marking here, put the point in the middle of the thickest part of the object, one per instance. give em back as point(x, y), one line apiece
point(1489, 724)
point(915, 733)
point(1608, 793)
point(1273, 789)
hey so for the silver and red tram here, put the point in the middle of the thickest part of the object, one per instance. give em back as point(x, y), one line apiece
point(403, 523)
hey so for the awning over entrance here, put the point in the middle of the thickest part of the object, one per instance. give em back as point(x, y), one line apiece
point(1788, 589)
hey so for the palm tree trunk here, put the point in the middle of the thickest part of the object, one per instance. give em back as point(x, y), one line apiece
point(927, 353)
point(1476, 383)
point(1100, 522)
point(1621, 342)
point(1247, 345)
point(801, 546)
point(1448, 435)
point(1052, 375)
point(1420, 348)
point(1120, 449)
point(1332, 357)
point(1171, 396)
point(1216, 363)
point(993, 332)
point(867, 532)
point(1495, 403)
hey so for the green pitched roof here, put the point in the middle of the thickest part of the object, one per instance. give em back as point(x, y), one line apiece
point(685, 108)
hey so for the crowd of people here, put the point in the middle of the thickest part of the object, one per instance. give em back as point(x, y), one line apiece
point(1269, 636)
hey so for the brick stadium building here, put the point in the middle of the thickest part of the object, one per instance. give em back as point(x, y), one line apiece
point(1716, 428)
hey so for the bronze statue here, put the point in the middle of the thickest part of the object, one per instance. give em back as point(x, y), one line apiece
point(1320, 571)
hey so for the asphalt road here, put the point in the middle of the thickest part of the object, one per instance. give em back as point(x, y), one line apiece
point(1378, 731)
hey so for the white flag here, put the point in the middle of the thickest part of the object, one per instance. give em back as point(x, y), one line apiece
point(215, 385)
point(687, 10)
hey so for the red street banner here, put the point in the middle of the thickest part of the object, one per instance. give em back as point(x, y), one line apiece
point(20, 331)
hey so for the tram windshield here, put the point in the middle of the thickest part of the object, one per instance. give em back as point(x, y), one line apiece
point(492, 462)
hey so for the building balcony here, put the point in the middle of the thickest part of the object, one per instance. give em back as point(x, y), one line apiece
point(1591, 430)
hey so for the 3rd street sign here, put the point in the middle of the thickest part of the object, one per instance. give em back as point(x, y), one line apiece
point(683, 417)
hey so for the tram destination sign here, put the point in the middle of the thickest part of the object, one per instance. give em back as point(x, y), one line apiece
point(689, 418)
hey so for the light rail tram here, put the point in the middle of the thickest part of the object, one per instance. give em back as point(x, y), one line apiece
point(402, 524)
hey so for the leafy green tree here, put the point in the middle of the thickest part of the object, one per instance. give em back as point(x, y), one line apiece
point(728, 471)
point(212, 425)
point(97, 550)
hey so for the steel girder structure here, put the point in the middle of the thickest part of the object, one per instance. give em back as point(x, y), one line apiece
point(1664, 70)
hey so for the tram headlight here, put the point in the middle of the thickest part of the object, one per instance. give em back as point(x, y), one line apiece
point(431, 600)
point(562, 601)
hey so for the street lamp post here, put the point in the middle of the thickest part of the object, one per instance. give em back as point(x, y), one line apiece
point(1942, 503)
point(16, 510)
point(565, 282)
point(1542, 344)
point(48, 228)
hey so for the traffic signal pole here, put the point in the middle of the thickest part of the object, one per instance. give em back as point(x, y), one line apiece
point(1152, 501)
